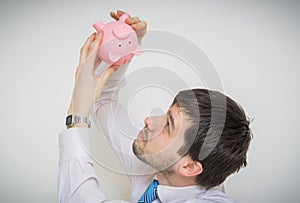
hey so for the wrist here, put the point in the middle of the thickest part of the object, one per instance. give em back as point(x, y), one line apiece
point(77, 121)
point(84, 125)
point(72, 111)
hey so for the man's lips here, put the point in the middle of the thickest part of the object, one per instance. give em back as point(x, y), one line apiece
point(141, 135)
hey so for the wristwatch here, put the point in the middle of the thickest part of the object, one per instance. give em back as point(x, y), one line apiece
point(73, 119)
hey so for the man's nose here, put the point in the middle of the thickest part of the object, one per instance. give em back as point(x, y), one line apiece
point(153, 123)
point(148, 123)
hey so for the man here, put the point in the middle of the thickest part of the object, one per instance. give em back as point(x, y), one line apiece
point(182, 156)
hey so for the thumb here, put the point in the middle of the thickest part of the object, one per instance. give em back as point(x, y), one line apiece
point(102, 79)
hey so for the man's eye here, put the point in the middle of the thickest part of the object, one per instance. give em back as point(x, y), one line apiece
point(167, 127)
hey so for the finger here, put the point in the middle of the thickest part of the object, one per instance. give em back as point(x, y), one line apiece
point(114, 68)
point(93, 51)
point(114, 15)
point(120, 13)
point(84, 49)
point(77, 71)
point(131, 21)
point(103, 78)
point(142, 25)
point(96, 43)
point(97, 63)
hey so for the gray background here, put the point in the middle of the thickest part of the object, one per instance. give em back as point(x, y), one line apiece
point(254, 46)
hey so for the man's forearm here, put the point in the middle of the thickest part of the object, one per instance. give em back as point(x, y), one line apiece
point(82, 108)
point(113, 85)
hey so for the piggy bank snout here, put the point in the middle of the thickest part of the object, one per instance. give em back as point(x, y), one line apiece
point(122, 31)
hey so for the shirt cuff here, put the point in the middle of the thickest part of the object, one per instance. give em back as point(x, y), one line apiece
point(74, 143)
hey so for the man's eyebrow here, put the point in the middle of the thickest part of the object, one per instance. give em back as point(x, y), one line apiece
point(171, 119)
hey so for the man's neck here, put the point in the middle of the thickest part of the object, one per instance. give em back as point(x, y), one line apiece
point(174, 180)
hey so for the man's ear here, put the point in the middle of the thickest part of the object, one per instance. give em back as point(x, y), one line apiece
point(190, 168)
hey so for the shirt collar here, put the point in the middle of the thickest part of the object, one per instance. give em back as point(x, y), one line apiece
point(178, 194)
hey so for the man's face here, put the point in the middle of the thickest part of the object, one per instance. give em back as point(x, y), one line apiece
point(158, 142)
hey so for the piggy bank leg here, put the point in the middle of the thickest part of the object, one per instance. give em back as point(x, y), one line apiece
point(101, 68)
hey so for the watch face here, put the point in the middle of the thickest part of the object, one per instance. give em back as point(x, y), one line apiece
point(69, 120)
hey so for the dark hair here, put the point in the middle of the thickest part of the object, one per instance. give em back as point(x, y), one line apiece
point(219, 136)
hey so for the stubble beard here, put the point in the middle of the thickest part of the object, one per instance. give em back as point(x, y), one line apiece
point(153, 160)
point(138, 149)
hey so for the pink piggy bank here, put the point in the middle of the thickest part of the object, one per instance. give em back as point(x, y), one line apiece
point(119, 43)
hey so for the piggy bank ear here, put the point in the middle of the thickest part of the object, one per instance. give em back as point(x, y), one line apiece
point(122, 31)
point(123, 17)
point(113, 57)
point(98, 26)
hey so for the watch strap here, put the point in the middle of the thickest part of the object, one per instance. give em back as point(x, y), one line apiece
point(73, 119)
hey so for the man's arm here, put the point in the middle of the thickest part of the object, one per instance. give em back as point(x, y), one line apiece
point(112, 118)
point(77, 179)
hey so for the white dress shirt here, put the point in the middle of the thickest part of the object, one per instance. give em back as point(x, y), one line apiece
point(77, 179)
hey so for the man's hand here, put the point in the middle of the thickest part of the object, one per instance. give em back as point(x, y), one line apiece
point(139, 26)
point(88, 86)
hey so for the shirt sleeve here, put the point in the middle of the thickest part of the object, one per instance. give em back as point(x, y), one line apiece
point(77, 179)
point(112, 119)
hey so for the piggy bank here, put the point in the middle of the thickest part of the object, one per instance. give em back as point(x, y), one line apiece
point(119, 43)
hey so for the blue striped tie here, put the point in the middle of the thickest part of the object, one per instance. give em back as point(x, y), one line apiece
point(150, 194)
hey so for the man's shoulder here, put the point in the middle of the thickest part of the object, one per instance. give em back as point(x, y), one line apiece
point(217, 196)
point(212, 196)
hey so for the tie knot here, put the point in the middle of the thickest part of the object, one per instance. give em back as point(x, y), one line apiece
point(155, 183)
point(150, 194)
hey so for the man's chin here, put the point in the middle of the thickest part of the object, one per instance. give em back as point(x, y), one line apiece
point(137, 150)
